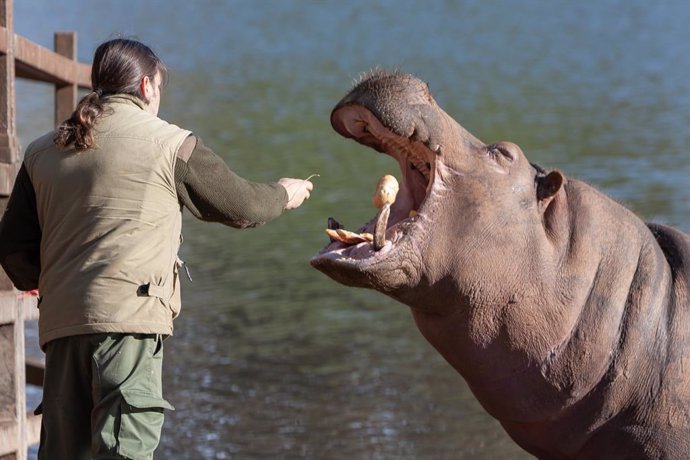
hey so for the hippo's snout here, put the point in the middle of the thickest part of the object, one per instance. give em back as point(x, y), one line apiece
point(400, 102)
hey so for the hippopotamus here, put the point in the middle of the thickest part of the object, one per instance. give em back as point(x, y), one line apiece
point(566, 314)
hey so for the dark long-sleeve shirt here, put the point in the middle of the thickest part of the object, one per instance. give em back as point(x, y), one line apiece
point(205, 185)
point(213, 192)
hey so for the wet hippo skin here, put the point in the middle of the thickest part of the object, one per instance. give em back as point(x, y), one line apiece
point(566, 314)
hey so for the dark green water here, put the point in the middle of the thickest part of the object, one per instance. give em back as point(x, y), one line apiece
point(271, 359)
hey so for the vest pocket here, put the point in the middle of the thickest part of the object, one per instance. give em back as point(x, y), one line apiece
point(168, 297)
point(152, 290)
point(168, 292)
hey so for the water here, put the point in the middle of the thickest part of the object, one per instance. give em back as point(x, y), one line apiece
point(271, 359)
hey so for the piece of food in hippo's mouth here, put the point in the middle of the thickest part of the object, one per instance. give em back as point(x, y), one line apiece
point(348, 237)
point(386, 191)
point(384, 196)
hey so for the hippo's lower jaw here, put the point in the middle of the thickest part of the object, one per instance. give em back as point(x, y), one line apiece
point(355, 265)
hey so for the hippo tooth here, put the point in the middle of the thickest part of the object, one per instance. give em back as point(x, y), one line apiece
point(404, 147)
point(380, 227)
point(419, 163)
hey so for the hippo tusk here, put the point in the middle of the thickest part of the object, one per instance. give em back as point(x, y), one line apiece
point(381, 225)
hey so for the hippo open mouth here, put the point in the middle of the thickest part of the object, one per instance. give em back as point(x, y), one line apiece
point(417, 163)
point(394, 113)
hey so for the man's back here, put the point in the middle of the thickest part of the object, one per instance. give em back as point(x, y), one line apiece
point(110, 220)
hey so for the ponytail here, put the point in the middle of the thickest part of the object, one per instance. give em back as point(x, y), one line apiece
point(78, 128)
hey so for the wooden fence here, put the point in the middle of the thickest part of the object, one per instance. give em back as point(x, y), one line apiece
point(21, 58)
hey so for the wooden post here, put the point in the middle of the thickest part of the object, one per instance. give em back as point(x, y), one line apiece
point(9, 148)
point(65, 95)
point(22, 58)
point(12, 398)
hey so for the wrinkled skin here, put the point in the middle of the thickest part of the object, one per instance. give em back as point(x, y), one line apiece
point(564, 312)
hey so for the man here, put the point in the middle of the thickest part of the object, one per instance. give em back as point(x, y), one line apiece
point(94, 222)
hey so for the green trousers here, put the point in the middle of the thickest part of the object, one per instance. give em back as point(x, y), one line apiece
point(102, 397)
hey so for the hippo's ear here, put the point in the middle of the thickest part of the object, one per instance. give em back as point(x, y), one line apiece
point(548, 186)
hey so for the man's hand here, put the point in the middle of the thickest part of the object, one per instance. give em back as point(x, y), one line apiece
point(298, 190)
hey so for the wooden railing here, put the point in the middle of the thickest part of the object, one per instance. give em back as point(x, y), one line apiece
point(21, 58)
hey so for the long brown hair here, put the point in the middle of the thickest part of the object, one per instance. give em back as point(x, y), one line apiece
point(118, 67)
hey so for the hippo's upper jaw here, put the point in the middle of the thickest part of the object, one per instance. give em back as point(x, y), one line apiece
point(396, 115)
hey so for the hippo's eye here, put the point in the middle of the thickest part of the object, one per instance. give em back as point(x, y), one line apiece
point(495, 150)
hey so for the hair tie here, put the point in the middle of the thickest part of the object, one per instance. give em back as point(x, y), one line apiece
point(98, 91)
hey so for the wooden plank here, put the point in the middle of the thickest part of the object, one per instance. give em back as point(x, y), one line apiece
point(8, 172)
point(5, 283)
point(7, 315)
point(38, 63)
point(41, 64)
point(20, 381)
point(6, 13)
point(26, 303)
point(7, 377)
point(8, 310)
point(30, 308)
point(8, 438)
point(3, 39)
point(33, 428)
point(12, 398)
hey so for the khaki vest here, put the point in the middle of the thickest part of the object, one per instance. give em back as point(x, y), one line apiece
point(111, 223)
